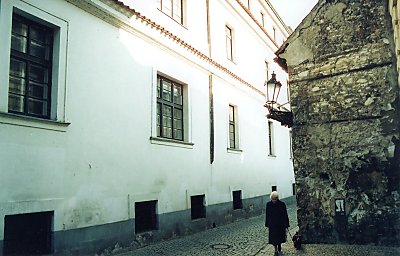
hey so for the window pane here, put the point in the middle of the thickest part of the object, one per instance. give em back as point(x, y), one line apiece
point(178, 122)
point(232, 135)
point(166, 90)
point(38, 90)
point(158, 119)
point(167, 132)
point(17, 68)
point(167, 7)
point(231, 113)
point(158, 87)
point(39, 50)
point(37, 107)
point(229, 49)
point(17, 85)
point(178, 134)
point(19, 28)
point(178, 94)
point(38, 74)
point(16, 103)
point(38, 34)
point(167, 121)
point(177, 10)
point(18, 43)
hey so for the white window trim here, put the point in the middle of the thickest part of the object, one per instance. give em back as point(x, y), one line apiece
point(187, 122)
point(58, 97)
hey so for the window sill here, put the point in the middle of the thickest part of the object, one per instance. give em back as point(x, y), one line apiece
point(171, 143)
point(232, 61)
point(273, 156)
point(33, 122)
point(234, 150)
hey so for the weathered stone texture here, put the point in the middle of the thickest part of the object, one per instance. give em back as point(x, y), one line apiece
point(345, 101)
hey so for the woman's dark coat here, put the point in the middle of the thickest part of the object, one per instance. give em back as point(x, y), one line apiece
point(277, 220)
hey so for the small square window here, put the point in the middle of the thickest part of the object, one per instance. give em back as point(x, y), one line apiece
point(237, 199)
point(145, 216)
point(274, 188)
point(28, 234)
point(198, 209)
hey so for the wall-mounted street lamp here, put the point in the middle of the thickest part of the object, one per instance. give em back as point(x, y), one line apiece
point(282, 116)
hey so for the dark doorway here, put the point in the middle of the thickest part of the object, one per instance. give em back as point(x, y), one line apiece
point(237, 199)
point(28, 234)
point(197, 207)
point(145, 216)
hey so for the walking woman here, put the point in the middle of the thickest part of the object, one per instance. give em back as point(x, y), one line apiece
point(277, 221)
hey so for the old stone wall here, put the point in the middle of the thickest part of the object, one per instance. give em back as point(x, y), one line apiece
point(346, 140)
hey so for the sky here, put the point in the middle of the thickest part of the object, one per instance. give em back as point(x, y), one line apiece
point(293, 12)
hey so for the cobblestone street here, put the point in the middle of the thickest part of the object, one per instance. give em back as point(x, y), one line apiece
point(248, 237)
point(243, 237)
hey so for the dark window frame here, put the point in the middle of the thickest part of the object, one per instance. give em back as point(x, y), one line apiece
point(175, 107)
point(31, 62)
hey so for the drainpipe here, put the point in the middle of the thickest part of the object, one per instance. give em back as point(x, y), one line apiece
point(210, 87)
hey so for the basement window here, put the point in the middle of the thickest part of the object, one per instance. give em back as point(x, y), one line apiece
point(198, 208)
point(237, 199)
point(26, 234)
point(145, 216)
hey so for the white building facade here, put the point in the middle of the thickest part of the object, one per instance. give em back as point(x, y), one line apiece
point(135, 120)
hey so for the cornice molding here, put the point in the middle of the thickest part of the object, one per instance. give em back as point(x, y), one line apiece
point(130, 12)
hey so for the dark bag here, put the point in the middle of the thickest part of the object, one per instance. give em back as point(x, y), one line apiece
point(296, 240)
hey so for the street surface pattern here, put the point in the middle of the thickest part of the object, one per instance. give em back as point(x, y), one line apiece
point(249, 237)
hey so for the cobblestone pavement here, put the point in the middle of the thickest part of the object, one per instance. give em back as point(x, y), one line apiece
point(248, 237)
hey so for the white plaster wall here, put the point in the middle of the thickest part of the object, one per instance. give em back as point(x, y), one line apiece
point(92, 171)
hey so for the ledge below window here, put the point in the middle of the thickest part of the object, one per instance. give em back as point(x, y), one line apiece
point(33, 122)
point(171, 143)
point(234, 150)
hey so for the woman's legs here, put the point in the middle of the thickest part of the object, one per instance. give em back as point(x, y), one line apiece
point(276, 249)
